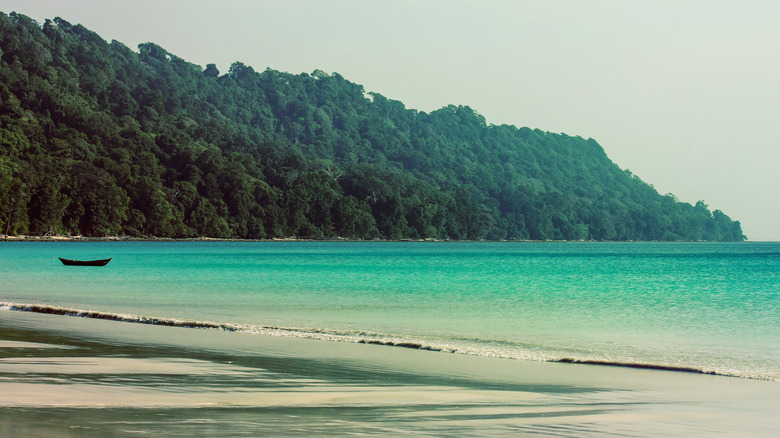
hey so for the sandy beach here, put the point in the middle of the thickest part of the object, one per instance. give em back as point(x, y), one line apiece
point(70, 376)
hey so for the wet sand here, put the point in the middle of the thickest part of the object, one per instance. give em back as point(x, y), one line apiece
point(69, 376)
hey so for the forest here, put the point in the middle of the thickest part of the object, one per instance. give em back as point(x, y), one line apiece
point(97, 139)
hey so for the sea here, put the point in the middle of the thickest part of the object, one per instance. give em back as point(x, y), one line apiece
point(711, 308)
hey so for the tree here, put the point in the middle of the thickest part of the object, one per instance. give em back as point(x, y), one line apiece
point(211, 71)
point(98, 139)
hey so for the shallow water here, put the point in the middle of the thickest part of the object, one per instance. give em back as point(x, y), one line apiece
point(707, 306)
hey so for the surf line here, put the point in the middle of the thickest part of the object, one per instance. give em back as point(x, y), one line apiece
point(361, 337)
point(64, 311)
point(316, 334)
point(644, 366)
point(324, 335)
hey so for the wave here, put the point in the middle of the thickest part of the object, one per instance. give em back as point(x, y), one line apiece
point(640, 365)
point(362, 337)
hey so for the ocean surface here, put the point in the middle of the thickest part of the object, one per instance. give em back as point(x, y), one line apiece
point(702, 307)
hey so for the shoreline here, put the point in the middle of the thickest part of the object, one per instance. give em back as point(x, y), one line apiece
point(63, 238)
point(69, 374)
point(320, 335)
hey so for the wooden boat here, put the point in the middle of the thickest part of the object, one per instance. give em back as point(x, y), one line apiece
point(69, 262)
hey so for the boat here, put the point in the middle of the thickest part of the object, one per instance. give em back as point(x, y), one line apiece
point(69, 262)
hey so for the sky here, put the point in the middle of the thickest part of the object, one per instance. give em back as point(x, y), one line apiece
point(684, 93)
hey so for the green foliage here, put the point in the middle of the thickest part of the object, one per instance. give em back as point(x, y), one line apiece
point(98, 139)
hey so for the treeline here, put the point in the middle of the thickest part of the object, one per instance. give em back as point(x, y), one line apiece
point(97, 139)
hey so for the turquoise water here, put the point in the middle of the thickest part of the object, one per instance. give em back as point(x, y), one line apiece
point(709, 306)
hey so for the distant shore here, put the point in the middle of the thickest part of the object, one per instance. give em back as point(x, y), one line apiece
point(78, 238)
point(63, 238)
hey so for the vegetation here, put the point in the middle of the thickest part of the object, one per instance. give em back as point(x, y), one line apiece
point(97, 139)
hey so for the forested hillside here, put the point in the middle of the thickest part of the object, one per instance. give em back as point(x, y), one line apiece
point(98, 139)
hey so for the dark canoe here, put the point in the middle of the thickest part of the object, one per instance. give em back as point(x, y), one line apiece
point(69, 262)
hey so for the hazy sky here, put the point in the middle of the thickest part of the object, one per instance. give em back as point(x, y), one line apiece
point(684, 93)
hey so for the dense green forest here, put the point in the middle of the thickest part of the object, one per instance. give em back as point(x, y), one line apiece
point(98, 139)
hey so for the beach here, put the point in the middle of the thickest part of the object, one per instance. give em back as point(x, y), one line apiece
point(224, 338)
point(70, 376)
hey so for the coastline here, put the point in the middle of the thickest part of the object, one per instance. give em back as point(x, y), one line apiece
point(64, 238)
point(64, 376)
point(326, 335)
point(78, 238)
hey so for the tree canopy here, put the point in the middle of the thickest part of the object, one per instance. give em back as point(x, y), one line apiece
point(97, 139)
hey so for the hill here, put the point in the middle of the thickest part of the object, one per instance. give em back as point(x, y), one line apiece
point(97, 139)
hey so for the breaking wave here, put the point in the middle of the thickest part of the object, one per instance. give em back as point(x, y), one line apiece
point(361, 337)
